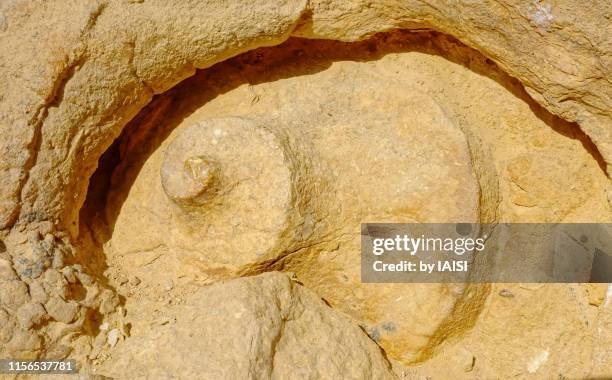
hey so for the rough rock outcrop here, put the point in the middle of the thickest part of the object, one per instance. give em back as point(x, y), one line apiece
point(103, 60)
point(300, 183)
point(370, 126)
point(47, 300)
point(263, 327)
point(74, 73)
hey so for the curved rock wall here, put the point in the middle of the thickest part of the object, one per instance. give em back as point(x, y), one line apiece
point(99, 62)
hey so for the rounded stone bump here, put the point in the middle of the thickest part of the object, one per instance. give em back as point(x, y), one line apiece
point(240, 187)
point(192, 183)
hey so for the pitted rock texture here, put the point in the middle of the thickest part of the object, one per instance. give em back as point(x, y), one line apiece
point(74, 73)
point(268, 328)
point(48, 301)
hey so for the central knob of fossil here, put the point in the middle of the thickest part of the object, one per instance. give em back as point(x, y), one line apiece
point(195, 183)
point(236, 192)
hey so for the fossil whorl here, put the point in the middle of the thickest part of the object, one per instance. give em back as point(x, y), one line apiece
point(287, 190)
point(230, 195)
point(77, 103)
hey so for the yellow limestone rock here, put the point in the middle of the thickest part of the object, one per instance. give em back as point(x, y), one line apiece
point(74, 73)
point(275, 194)
point(227, 194)
point(262, 327)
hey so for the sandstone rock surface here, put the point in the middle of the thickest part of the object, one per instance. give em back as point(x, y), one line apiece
point(499, 111)
point(361, 122)
point(111, 51)
point(262, 327)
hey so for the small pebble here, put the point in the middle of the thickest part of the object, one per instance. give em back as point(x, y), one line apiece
point(113, 337)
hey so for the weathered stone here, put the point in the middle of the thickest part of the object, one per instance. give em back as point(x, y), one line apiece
point(13, 294)
point(353, 171)
point(113, 337)
point(66, 95)
point(6, 270)
point(107, 301)
point(7, 326)
point(25, 344)
point(55, 283)
point(203, 216)
point(61, 310)
point(137, 70)
point(289, 333)
point(30, 314)
point(37, 292)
